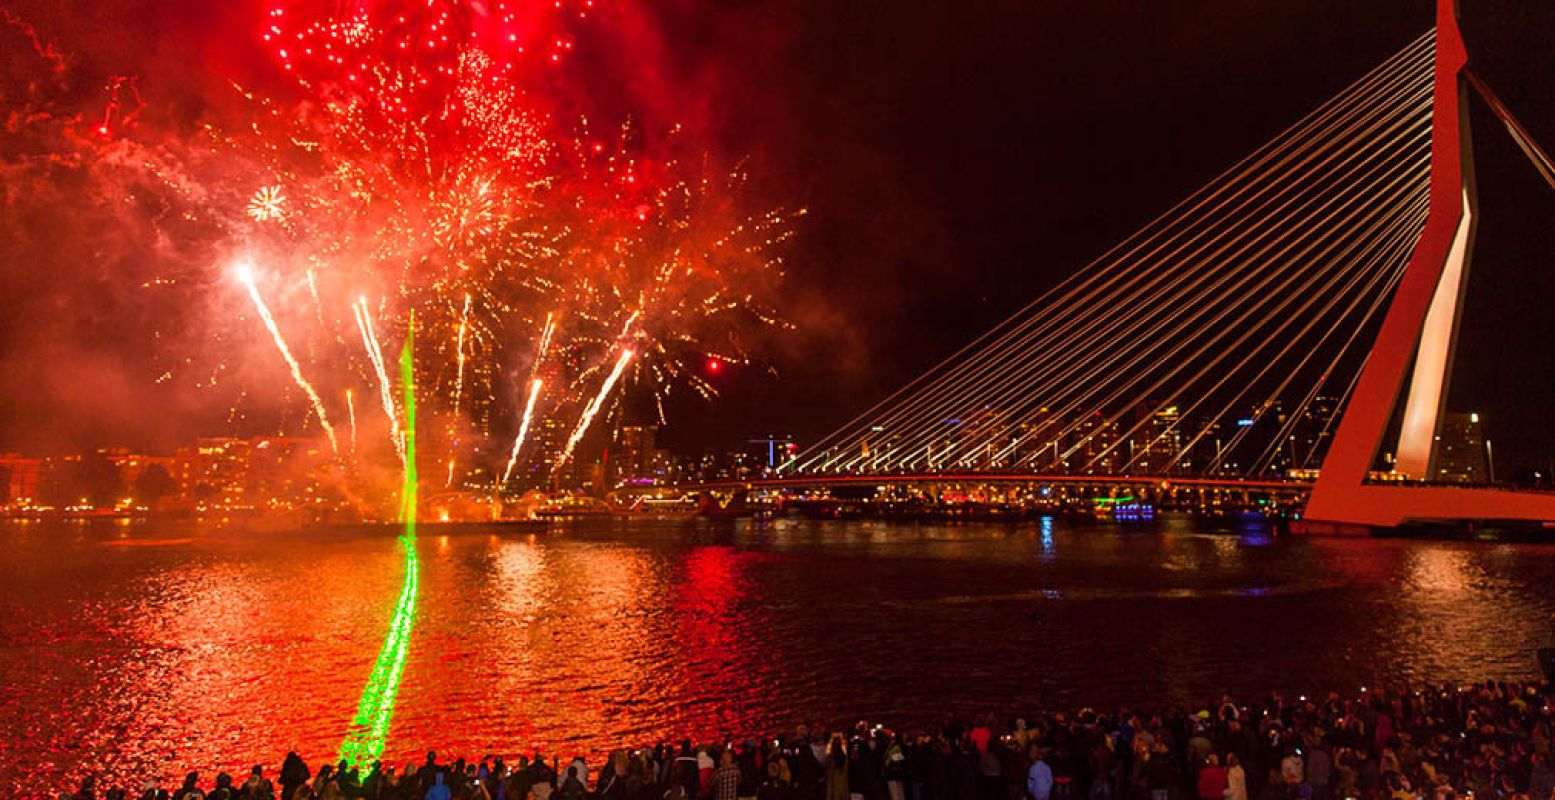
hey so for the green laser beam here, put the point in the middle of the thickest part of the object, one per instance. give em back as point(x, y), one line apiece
point(369, 730)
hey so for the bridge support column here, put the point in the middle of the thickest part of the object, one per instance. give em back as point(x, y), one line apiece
point(1419, 327)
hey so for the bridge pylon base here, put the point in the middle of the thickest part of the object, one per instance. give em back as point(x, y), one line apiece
point(1310, 527)
point(1367, 509)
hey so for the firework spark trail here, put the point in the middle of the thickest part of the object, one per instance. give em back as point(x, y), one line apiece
point(593, 408)
point(545, 337)
point(523, 427)
point(534, 393)
point(627, 326)
point(245, 274)
point(351, 409)
point(464, 322)
point(364, 322)
point(313, 289)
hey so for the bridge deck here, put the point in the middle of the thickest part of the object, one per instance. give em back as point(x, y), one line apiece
point(1153, 481)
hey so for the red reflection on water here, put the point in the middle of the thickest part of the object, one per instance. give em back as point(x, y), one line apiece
point(230, 650)
point(704, 601)
point(587, 647)
point(211, 664)
point(721, 645)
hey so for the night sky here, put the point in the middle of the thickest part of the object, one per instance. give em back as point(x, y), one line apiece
point(956, 159)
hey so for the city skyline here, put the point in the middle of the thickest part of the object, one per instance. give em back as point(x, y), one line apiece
point(287, 475)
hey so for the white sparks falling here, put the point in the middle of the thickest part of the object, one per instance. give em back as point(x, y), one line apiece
point(464, 322)
point(523, 427)
point(351, 409)
point(364, 322)
point(593, 407)
point(245, 275)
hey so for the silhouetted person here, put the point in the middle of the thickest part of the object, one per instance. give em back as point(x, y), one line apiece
point(190, 790)
point(294, 773)
point(224, 789)
point(429, 772)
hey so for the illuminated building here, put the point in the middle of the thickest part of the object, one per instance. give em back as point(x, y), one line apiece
point(666, 467)
point(142, 480)
point(1032, 445)
point(878, 448)
point(1155, 443)
point(978, 440)
point(1311, 433)
point(213, 473)
point(1090, 446)
point(133, 466)
point(1460, 450)
point(632, 456)
point(742, 466)
point(283, 471)
point(19, 478)
point(1204, 451)
point(550, 441)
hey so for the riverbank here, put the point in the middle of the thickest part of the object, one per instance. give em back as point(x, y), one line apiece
point(1490, 739)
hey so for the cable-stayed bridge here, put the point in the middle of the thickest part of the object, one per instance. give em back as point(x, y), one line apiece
point(1247, 300)
point(1292, 323)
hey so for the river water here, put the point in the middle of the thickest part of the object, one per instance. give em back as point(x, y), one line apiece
point(146, 650)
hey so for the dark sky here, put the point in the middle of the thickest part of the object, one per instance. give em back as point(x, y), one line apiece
point(961, 158)
point(957, 159)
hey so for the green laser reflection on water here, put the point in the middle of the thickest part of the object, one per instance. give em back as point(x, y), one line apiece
point(369, 731)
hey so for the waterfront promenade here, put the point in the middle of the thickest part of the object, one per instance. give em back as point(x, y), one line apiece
point(1488, 740)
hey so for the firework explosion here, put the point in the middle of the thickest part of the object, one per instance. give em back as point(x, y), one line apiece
point(412, 167)
point(266, 204)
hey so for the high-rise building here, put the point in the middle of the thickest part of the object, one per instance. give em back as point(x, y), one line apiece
point(632, 455)
point(943, 446)
point(1307, 442)
point(1093, 446)
point(981, 438)
point(1460, 449)
point(536, 467)
point(1203, 444)
point(1034, 444)
point(1155, 443)
point(541, 454)
point(19, 478)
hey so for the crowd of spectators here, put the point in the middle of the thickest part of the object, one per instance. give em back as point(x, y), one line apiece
point(1488, 740)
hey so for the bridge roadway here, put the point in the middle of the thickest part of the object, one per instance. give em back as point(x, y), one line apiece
point(1282, 488)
